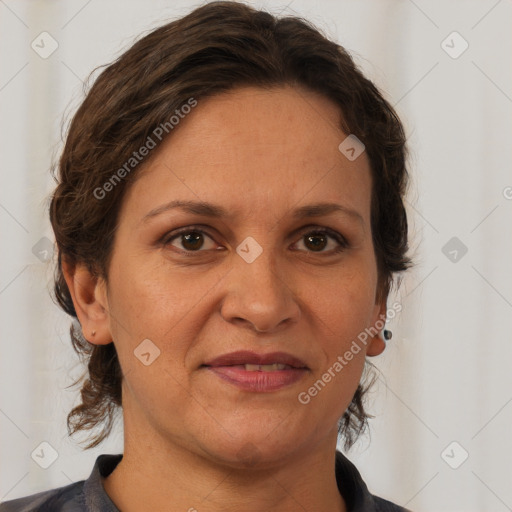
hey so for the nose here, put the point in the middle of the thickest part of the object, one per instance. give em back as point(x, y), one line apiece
point(259, 295)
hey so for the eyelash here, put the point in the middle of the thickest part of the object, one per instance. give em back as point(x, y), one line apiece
point(317, 230)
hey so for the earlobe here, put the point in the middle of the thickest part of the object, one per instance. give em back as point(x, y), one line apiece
point(378, 343)
point(89, 297)
point(376, 346)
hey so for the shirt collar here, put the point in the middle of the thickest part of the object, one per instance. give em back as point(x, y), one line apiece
point(96, 498)
point(352, 487)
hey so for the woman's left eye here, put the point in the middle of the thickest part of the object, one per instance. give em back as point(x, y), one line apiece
point(318, 240)
point(193, 240)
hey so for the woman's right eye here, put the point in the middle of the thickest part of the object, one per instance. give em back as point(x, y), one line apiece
point(190, 240)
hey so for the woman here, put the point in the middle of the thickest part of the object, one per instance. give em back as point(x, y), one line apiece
point(229, 220)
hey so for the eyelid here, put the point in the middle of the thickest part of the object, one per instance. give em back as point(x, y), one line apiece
point(186, 229)
point(172, 235)
point(311, 228)
point(342, 241)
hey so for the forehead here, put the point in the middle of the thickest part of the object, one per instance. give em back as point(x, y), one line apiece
point(251, 121)
point(254, 148)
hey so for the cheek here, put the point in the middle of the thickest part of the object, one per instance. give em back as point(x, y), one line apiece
point(344, 304)
point(341, 321)
point(152, 323)
point(143, 297)
point(149, 299)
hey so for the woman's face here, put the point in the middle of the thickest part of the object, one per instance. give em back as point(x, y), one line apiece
point(255, 278)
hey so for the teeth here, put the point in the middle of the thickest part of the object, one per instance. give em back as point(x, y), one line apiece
point(252, 367)
point(265, 367)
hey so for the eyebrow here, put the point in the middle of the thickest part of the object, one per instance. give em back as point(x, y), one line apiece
point(216, 211)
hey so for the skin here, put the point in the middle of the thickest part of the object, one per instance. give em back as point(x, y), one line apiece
point(193, 440)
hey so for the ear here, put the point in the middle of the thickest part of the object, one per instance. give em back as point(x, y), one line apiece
point(89, 295)
point(377, 344)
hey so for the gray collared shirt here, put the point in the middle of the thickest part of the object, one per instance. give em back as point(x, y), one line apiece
point(90, 496)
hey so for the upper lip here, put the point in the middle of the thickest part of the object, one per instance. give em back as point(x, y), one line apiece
point(248, 357)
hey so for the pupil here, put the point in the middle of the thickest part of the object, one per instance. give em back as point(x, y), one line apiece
point(316, 245)
point(194, 240)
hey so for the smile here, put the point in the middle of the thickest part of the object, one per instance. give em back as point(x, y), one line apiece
point(264, 367)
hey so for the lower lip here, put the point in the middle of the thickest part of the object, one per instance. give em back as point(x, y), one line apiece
point(259, 381)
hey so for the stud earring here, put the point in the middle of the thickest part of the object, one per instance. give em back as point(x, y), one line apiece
point(386, 334)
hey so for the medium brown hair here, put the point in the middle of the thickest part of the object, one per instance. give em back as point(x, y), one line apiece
point(217, 47)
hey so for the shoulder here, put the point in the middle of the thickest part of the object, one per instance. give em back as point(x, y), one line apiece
point(81, 496)
point(355, 491)
point(69, 498)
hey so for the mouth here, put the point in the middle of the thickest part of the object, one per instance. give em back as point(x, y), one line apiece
point(258, 372)
point(258, 362)
point(262, 367)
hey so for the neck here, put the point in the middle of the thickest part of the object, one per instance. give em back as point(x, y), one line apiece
point(154, 475)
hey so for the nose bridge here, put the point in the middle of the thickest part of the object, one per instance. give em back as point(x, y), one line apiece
point(258, 292)
point(257, 270)
point(261, 269)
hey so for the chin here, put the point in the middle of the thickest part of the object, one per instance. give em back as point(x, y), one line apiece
point(250, 456)
point(252, 450)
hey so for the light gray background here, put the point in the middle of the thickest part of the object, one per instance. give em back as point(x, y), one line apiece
point(447, 370)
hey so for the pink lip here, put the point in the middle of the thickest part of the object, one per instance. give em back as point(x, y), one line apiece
point(247, 357)
point(260, 381)
point(230, 367)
